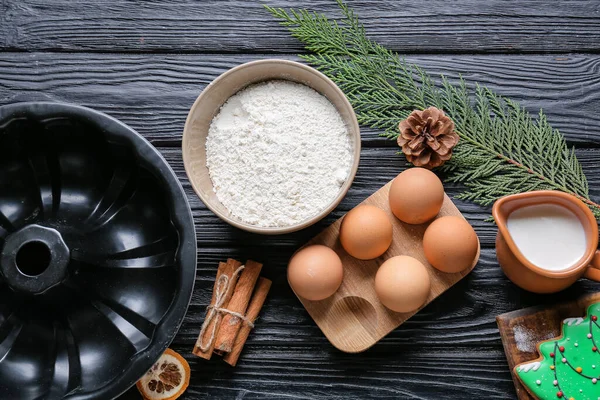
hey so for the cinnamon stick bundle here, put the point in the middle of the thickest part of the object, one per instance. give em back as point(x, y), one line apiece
point(228, 269)
point(238, 296)
point(231, 324)
point(258, 299)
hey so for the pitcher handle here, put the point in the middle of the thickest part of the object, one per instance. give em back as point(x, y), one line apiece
point(593, 270)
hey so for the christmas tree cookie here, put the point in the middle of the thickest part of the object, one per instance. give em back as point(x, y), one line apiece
point(569, 366)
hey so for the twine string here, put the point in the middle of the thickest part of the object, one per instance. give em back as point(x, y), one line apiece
point(216, 311)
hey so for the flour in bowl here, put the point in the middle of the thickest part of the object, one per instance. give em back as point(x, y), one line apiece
point(278, 153)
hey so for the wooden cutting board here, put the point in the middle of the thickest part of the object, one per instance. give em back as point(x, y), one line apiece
point(353, 319)
point(522, 330)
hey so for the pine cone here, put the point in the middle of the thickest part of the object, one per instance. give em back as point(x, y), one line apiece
point(427, 137)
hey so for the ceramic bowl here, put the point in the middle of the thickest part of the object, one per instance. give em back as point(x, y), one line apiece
point(216, 94)
point(97, 253)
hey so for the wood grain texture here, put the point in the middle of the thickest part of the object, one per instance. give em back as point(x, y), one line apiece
point(377, 167)
point(451, 349)
point(154, 93)
point(243, 26)
point(353, 318)
point(540, 324)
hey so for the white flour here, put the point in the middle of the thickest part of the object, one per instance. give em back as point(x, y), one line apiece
point(278, 153)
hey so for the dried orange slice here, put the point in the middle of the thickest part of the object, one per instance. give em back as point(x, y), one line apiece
point(167, 379)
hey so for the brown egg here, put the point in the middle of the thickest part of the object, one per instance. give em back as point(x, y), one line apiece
point(450, 244)
point(315, 272)
point(402, 284)
point(366, 232)
point(416, 196)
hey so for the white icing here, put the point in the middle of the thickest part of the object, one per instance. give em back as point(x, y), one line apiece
point(573, 321)
point(531, 366)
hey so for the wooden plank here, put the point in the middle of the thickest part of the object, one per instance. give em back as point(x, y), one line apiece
point(319, 374)
point(468, 309)
point(153, 93)
point(450, 348)
point(377, 166)
point(522, 330)
point(435, 26)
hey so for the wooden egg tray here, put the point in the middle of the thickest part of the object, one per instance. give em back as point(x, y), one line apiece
point(353, 319)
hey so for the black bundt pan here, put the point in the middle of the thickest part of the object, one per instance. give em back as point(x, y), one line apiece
point(98, 253)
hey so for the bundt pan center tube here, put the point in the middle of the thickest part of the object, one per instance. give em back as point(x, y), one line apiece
point(98, 253)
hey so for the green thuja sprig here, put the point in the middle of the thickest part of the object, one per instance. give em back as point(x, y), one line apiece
point(503, 150)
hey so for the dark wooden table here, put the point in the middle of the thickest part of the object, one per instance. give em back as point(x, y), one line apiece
point(145, 62)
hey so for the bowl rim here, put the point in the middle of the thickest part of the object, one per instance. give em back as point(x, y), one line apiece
point(353, 129)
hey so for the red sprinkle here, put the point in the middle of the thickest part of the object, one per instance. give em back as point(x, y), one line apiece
point(594, 318)
point(561, 348)
point(551, 354)
point(594, 348)
point(559, 394)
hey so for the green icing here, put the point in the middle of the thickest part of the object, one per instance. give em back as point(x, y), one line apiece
point(539, 377)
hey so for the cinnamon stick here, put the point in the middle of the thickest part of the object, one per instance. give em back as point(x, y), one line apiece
point(258, 299)
point(227, 269)
point(231, 324)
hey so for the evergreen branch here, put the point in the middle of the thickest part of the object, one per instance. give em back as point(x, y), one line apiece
point(502, 150)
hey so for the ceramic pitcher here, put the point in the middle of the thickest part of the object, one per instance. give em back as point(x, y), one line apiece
point(524, 273)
